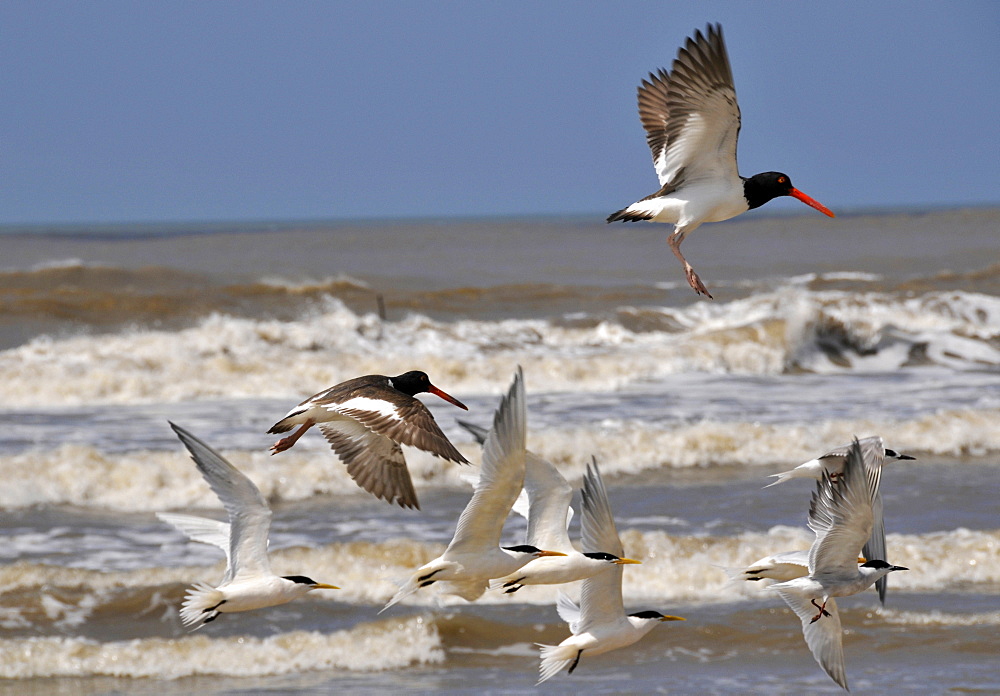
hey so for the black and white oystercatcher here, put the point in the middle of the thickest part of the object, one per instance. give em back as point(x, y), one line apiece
point(692, 122)
point(365, 420)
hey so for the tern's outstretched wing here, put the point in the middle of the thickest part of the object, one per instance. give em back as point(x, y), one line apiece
point(841, 515)
point(824, 637)
point(201, 529)
point(500, 478)
point(601, 595)
point(249, 515)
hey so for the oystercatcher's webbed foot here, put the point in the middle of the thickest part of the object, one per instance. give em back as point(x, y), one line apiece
point(287, 442)
point(695, 282)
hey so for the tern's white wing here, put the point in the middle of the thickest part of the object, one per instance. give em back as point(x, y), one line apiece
point(875, 547)
point(548, 502)
point(201, 529)
point(249, 515)
point(873, 451)
point(868, 444)
point(601, 595)
point(597, 526)
point(500, 478)
point(568, 611)
point(841, 515)
point(690, 114)
point(824, 637)
point(537, 471)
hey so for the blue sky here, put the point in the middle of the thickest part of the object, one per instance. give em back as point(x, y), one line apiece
point(175, 111)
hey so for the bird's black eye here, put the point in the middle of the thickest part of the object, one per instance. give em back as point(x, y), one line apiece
point(891, 453)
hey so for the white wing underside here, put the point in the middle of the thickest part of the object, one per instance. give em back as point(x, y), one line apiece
point(601, 595)
point(249, 515)
point(706, 149)
point(549, 511)
point(568, 611)
point(824, 636)
point(841, 514)
point(500, 478)
point(200, 529)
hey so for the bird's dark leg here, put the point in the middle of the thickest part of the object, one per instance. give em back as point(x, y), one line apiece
point(575, 662)
point(286, 442)
point(822, 611)
point(205, 611)
point(424, 578)
point(674, 240)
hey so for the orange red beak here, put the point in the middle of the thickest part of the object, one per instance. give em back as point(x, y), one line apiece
point(447, 397)
point(795, 193)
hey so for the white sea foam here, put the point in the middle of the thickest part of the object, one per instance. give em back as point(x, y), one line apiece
point(940, 618)
point(384, 645)
point(83, 475)
point(769, 333)
point(674, 569)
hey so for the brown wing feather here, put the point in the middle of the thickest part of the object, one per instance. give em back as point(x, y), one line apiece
point(416, 429)
point(375, 463)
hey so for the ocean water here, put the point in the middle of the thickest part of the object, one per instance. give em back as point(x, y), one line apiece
point(821, 330)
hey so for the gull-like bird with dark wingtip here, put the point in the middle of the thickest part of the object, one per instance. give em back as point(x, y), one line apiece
point(249, 582)
point(599, 624)
point(779, 567)
point(474, 555)
point(840, 514)
point(548, 513)
point(365, 420)
point(833, 464)
point(692, 122)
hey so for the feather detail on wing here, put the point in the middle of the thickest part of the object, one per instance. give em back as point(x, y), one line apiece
point(690, 114)
point(249, 515)
point(409, 424)
point(501, 475)
point(374, 461)
point(841, 515)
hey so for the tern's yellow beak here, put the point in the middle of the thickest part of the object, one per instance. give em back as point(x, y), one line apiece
point(625, 561)
point(672, 618)
point(862, 559)
point(550, 553)
point(324, 586)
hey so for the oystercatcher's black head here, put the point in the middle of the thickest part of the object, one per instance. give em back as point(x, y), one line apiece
point(761, 188)
point(417, 382)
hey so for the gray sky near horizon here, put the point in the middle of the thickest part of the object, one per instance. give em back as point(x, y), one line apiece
point(141, 111)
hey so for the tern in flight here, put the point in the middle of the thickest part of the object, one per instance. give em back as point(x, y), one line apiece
point(248, 583)
point(549, 513)
point(832, 463)
point(840, 514)
point(474, 555)
point(599, 624)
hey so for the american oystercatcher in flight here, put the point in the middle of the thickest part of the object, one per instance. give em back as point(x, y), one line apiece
point(365, 420)
point(692, 122)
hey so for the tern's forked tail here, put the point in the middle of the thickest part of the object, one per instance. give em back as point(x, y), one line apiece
point(201, 605)
point(554, 659)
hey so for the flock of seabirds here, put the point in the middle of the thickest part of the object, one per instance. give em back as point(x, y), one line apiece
point(692, 120)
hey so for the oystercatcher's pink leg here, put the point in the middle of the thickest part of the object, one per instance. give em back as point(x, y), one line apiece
point(693, 280)
point(286, 442)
